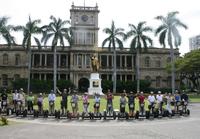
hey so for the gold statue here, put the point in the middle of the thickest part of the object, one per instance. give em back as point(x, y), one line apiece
point(94, 63)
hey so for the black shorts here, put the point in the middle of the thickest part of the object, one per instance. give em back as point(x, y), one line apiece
point(63, 104)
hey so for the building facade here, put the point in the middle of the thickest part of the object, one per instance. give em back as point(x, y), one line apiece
point(194, 42)
point(74, 62)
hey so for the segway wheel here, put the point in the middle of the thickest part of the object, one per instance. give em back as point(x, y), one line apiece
point(188, 112)
point(181, 112)
point(83, 114)
point(137, 115)
point(114, 115)
point(127, 116)
point(104, 115)
point(147, 114)
point(25, 113)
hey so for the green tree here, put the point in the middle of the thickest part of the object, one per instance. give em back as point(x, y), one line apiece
point(29, 30)
point(59, 32)
point(113, 40)
point(139, 40)
point(187, 70)
point(168, 31)
point(5, 31)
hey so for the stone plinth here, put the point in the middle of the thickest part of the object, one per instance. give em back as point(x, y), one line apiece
point(95, 84)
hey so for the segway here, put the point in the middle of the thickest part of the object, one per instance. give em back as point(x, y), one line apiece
point(141, 114)
point(131, 111)
point(74, 114)
point(109, 113)
point(177, 111)
point(159, 112)
point(151, 114)
point(185, 111)
point(96, 114)
point(85, 114)
point(123, 114)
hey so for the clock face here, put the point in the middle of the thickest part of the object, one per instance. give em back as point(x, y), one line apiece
point(84, 18)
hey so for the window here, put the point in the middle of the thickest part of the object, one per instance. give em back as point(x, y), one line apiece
point(103, 76)
point(5, 59)
point(49, 60)
point(169, 83)
point(147, 62)
point(129, 77)
point(5, 80)
point(104, 61)
point(16, 76)
point(63, 61)
point(158, 81)
point(158, 63)
point(168, 60)
point(118, 61)
point(129, 61)
point(17, 59)
point(148, 78)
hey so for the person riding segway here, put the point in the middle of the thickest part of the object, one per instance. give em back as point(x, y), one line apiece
point(74, 105)
point(151, 100)
point(131, 104)
point(184, 103)
point(86, 103)
point(51, 99)
point(97, 113)
point(4, 101)
point(109, 107)
point(30, 101)
point(123, 113)
point(141, 112)
point(64, 100)
point(159, 98)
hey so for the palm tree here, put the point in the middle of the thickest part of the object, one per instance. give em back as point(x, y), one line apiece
point(113, 39)
point(5, 31)
point(139, 40)
point(168, 31)
point(31, 28)
point(56, 30)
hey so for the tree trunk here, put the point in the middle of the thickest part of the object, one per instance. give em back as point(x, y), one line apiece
point(114, 72)
point(29, 70)
point(172, 68)
point(138, 70)
point(54, 70)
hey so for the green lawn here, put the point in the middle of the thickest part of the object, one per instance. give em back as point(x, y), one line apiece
point(194, 98)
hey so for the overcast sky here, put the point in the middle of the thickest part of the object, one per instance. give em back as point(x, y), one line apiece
point(121, 11)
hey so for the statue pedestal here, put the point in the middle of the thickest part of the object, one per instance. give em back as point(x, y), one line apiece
point(95, 84)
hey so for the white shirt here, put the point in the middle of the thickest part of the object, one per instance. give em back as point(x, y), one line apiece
point(52, 97)
point(15, 96)
point(151, 99)
point(159, 98)
point(97, 99)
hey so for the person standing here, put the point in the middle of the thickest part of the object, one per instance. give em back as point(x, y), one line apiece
point(40, 103)
point(51, 99)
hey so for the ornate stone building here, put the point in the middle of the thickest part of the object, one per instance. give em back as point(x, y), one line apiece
point(73, 63)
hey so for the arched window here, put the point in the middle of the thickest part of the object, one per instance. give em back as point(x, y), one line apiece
point(148, 78)
point(168, 60)
point(158, 63)
point(17, 59)
point(4, 80)
point(158, 81)
point(147, 61)
point(5, 59)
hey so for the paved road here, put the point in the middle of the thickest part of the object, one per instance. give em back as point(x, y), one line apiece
point(176, 128)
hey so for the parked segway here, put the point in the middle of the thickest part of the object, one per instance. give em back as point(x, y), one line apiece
point(123, 114)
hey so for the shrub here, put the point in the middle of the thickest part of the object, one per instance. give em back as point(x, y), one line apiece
point(4, 120)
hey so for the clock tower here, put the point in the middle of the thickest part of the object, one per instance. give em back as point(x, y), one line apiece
point(84, 23)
